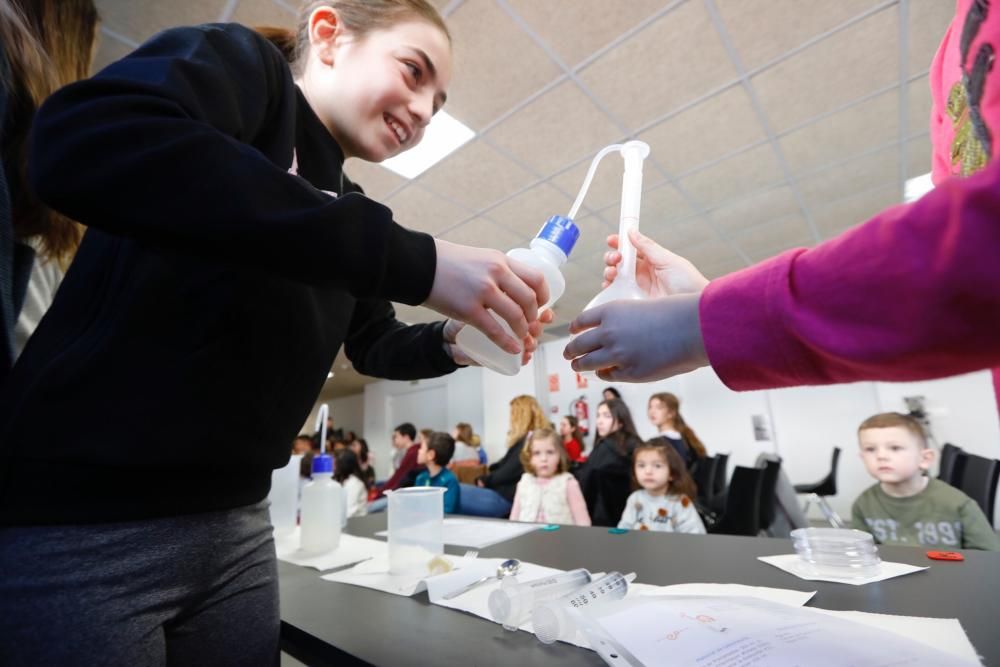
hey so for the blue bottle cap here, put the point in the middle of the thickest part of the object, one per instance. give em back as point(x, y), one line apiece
point(561, 231)
point(323, 464)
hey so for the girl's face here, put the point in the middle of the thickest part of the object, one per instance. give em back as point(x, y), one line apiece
point(659, 414)
point(544, 457)
point(606, 424)
point(376, 94)
point(565, 430)
point(652, 471)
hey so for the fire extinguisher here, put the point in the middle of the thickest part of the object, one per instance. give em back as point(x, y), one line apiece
point(580, 410)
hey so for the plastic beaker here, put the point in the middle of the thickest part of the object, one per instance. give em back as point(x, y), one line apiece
point(416, 528)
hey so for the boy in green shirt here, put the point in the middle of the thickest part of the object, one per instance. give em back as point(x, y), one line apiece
point(907, 507)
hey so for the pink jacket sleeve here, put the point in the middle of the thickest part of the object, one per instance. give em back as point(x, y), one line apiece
point(914, 293)
point(577, 504)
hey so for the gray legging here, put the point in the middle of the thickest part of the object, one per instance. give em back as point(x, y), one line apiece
point(196, 589)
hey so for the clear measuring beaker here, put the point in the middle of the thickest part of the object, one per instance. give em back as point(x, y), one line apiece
point(511, 604)
point(416, 528)
point(555, 620)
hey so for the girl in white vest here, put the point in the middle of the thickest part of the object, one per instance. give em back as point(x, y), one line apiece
point(547, 493)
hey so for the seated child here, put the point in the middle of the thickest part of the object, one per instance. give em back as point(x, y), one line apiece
point(664, 502)
point(436, 450)
point(547, 492)
point(347, 471)
point(907, 507)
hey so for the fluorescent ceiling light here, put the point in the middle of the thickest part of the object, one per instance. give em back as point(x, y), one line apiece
point(917, 187)
point(443, 136)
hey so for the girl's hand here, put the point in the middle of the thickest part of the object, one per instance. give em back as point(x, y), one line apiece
point(639, 341)
point(469, 281)
point(658, 271)
point(452, 327)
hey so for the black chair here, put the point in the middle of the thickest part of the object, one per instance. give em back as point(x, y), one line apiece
point(946, 469)
point(979, 480)
point(823, 488)
point(767, 493)
point(742, 515)
point(703, 474)
point(718, 501)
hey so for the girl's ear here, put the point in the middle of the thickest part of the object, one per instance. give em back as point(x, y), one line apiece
point(324, 31)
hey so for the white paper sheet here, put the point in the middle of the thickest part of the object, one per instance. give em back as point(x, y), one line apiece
point(779, 595)
point(792, 564)
point(374, 574)
point(733, 632)
point(350, 550)
point(478, 534)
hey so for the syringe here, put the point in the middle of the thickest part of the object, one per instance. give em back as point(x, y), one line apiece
point(553, 620)
point(511, 604)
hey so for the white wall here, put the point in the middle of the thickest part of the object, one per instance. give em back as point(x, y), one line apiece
point(348, 413)
point(463, 398)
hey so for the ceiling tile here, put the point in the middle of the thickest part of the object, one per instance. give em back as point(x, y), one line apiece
point(483, 233)
point(751, 170)
point(770, 238)
point(671, 62)
point(918, 153)
point(835, 71)
point(928, 22)
point(141, 19)
point(594, 233)
point(843, 134)
point(880, 168)
point(256, 13)
point(109, 50)
point(376, 180)
point(851, 211)
point(685, 234)
point(569, 28)
point(555, 129)
point(416, 208)
point(476, 175)
point(762, 30)
point(758, 208)
point(524, 214)
point(583, 279)
point(661, 206)
point(919, 112)
point(606, 186)
point(710, 253)
point(415, 314)
point(725, 267)
point(483, 37)
point(704, 132)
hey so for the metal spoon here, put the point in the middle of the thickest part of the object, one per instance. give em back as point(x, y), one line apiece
point(508, 568)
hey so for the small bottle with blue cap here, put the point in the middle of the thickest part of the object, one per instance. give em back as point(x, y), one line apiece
point(322, 508)
point(548, 251)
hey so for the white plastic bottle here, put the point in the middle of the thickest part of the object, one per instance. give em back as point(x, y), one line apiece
point(322, 508)
point(548, 251)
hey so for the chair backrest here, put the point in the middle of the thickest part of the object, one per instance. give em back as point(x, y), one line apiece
point(703, 473)
point(946, 466)
point(468, 473)
point(767, 492)
point(719, 477)
point(979, 481)
point(828, 487)
point(742, 515)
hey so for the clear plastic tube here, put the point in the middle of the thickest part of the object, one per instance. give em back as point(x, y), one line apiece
point(511, 604)
point(555, 620)
point(590, 176)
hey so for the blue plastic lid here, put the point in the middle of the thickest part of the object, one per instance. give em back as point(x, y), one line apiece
point(323, 464)
point(561, 231)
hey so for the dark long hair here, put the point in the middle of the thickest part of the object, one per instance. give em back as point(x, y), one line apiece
point(626, 427)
